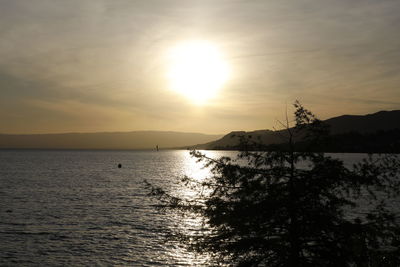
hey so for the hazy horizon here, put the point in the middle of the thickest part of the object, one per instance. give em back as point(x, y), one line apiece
point(110, 140)
point(170, 131)
point(111, 132)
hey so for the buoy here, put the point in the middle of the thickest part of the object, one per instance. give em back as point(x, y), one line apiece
point(119, 165)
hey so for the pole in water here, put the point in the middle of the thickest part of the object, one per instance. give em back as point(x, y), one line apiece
point(119, 165)
point(157, 147)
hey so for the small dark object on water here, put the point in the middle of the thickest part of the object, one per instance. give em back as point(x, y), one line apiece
point(119, 165)
point(9, 211)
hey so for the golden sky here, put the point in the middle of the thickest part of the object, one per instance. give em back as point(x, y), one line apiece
point(102, 65)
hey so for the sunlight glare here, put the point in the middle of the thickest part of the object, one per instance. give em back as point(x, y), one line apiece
point(197, 70)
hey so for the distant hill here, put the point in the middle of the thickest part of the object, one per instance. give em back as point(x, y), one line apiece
point(351, 133)
point(370, 123)
point(117, 140)
point(365, 127)
point(232, 140)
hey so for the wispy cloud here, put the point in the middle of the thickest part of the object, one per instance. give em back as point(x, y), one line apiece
point(108, 55)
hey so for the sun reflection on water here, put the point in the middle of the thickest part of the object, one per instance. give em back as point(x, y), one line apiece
point(191, 224)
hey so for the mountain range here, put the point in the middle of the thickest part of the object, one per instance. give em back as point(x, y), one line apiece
point(349, 133)
point(110, 140)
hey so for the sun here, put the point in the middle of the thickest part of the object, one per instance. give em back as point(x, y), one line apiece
point(196, 70)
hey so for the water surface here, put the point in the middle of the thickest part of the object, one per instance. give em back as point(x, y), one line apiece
point(79, 208)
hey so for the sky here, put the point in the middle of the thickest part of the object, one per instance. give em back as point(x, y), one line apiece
point(101, 65)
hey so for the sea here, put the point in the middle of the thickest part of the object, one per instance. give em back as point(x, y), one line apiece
point(78, 208)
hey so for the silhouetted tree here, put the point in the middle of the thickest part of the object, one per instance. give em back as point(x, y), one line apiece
point(288, 208)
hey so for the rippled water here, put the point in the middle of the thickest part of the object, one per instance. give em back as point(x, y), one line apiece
point(79, 208)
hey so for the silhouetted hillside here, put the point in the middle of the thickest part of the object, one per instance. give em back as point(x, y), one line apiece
point(351, 133)
point(118, 140)
point(370, 123)
point(233, 139)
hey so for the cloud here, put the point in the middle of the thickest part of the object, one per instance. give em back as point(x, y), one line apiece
point(108, 55)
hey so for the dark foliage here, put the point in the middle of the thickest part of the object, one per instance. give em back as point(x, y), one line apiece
point(289, 208)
